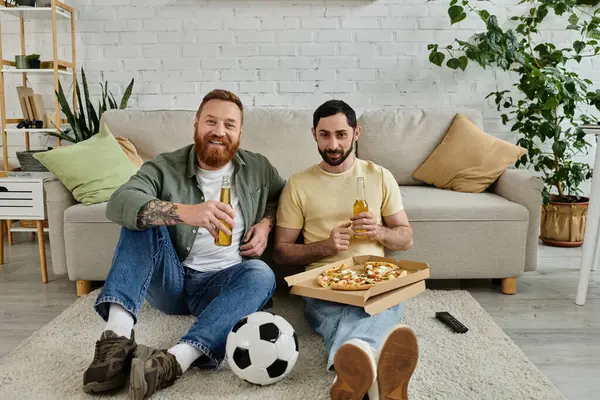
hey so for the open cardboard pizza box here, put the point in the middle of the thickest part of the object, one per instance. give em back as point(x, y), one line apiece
point(375, 299)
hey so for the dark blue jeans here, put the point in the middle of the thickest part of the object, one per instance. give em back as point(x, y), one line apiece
point(146, 266)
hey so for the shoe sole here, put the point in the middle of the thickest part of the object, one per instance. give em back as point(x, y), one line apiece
point(137, 381)
point(397, 361)
point(99, 387)
point(353, 378)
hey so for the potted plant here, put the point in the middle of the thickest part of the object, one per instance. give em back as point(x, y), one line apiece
point(34, 61)
point(84, 126)
point(546, 105)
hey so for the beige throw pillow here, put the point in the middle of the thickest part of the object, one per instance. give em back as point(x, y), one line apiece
point(467, 159)
point(130, 151)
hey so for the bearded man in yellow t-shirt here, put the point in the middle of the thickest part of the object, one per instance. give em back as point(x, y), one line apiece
point(372, 355)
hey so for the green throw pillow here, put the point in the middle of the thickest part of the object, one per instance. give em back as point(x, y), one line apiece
point(92, 169)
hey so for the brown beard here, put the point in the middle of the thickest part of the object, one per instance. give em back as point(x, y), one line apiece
point(215, 157)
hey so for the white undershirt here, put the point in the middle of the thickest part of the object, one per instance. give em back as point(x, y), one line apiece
point(205, 255)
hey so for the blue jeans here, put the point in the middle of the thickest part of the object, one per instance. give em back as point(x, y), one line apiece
point(146, 266)
point(337, 323)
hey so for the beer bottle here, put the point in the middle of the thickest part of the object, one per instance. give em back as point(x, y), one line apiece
point(222, 238)
point(360, 205)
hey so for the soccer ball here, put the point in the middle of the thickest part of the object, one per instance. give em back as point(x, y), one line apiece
point(262, 348)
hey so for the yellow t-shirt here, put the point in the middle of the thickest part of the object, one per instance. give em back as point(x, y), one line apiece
point(317, 202)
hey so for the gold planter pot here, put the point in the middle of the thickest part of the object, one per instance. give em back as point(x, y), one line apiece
point(563, 223)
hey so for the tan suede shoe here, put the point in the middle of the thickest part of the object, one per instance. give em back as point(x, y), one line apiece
point(354, 364)
point(396, 363)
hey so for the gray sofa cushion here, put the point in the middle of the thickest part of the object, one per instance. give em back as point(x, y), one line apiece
point(425, 203)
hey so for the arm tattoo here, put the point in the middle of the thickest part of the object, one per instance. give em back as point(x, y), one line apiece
point(157, 213)
point(270, 212)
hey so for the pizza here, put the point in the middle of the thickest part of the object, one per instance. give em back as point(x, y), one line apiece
point(334, 274)
point(345, 278)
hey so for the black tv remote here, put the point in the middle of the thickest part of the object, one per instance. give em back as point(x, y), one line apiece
point(451, 322)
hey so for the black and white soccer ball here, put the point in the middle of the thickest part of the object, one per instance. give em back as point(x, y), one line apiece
point(262, 348)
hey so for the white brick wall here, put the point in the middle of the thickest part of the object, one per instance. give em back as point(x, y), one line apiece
point(277, 53)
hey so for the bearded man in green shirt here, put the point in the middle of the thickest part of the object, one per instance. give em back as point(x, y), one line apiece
point(171, 212)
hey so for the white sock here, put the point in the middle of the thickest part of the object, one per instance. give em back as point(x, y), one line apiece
point(185, 354)
point(120, 321)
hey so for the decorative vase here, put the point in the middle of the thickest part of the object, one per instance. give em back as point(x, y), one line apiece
point(22, 62)
point(563, 222)
point(30, 164)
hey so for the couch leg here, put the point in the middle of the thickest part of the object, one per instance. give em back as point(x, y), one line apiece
point(509, 285)
point(83, 288)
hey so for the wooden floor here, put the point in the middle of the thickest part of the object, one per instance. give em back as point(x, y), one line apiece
point(561, 338)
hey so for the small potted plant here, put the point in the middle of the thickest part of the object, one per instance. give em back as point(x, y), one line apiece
point(34, 61)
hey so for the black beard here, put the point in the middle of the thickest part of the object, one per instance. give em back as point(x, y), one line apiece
point(335, 163)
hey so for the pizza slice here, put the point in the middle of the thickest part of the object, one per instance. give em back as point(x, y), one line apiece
point(334, 274)
point(357, 282)
point(398, 273)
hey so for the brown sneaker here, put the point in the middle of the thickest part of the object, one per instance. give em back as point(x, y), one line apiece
point(354, 365)
point(151, 371)
point(111, 364)
point(396, 363)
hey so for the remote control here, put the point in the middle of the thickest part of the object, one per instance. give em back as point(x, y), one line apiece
point(451, 322)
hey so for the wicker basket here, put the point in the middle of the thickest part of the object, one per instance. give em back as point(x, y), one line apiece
point(30, 164)
point(31, 223)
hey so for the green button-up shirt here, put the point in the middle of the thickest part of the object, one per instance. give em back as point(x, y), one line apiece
point(172, 177)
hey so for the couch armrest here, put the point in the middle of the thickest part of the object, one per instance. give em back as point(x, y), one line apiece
point(523, 188)
point(58, 199)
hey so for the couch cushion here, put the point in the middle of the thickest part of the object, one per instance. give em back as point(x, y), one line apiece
point(83, 213)
point(468, 159)
point(91, 169)
point(283, 136)
point(424, 203)
point(402, 139)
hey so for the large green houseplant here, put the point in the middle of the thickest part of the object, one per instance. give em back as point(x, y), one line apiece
point(548, 102)
point(85, 120)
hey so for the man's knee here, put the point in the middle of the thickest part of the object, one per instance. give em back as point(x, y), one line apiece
point(258, 274)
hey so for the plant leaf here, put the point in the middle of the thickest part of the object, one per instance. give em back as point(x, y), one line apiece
point(453, 63)
point(484, 14)
point(81, 120)
point(457, 14)
point(578, 45)
point(464, 61)
point(573, 19)
point(111, 101)
point(437, 58)
point(66, 109)
point(126, 95)
point(92, 116)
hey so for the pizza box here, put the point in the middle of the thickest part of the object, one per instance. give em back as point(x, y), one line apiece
point(375, 299)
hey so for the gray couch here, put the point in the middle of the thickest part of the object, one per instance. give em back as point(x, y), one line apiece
point(460, 235)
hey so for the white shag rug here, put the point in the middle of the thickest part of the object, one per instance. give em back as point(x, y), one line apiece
point(481, 364)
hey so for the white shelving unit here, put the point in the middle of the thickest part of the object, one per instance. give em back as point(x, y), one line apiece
point(35, 71)
point(32, 13)
point(60, 68)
